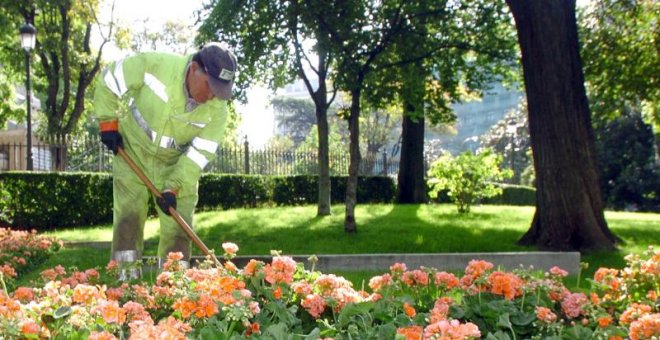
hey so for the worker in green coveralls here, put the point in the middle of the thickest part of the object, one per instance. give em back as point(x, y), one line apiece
point(168, 112)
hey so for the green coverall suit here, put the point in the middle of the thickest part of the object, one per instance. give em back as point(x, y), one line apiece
point(168, 135)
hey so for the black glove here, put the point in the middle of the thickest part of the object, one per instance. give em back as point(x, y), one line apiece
point(112, 139)
point(167, 200)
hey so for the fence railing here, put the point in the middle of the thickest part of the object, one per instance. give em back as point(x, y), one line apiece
point(92, 155)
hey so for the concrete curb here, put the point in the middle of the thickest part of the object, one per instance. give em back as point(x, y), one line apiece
point(569, 261)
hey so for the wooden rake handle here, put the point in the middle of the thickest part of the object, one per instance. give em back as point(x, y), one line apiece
point(175, 214)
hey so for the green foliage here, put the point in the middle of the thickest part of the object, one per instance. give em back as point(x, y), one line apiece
point(513, 195)
point(63, 62)
point(51, 200)
point(232, 191)
point(468, 177)
point(629, 176)
point(620, 57)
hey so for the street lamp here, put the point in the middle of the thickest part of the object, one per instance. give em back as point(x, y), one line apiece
point(28, 40)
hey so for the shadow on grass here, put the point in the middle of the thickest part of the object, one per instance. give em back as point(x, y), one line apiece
point(381, 229)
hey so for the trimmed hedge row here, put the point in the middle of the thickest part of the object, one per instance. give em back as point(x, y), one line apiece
point(52, 200)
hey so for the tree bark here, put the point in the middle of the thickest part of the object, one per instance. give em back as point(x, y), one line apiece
point(411, 185)
point(354, 151)
point(323, 208)
point(569, 208)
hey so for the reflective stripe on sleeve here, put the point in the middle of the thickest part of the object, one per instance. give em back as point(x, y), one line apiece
point(156, 86)
point(204, 145)
point(111, 82)
point(119, 76)
point(167, 142)
point(197, 157)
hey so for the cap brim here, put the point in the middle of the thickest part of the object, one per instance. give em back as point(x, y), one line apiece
point(220, 89)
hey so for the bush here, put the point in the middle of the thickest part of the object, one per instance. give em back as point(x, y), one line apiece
point(51, 200)
point(513, 195)
point(467, 178)
point(233, 191)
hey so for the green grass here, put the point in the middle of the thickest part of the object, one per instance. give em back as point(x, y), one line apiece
point(381, 229)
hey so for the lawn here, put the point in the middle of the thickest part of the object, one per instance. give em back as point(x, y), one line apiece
point(383, 228)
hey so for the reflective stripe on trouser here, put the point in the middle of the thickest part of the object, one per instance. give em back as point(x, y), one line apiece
point(131, 198)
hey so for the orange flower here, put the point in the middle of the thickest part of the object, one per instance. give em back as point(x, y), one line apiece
point(184, 306)
point(476, 268)
point(604, 321)
point(634, 312)
point(277, 293)
point(30, 327)
point(110, 311)
point(646, 327)
point(411, 332)
point(409, 310)
point(206, 307)
point(254, 328)
point(505, 284)
point(546, 315)
point(24, 294)
point(230, 267)
point(252, 267)
point(85, 294)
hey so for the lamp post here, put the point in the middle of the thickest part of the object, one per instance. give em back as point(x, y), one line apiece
point(28, 39)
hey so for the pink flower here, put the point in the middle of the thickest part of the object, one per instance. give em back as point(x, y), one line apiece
point(230, 248)
point(572, 304)
point(558, 271)
point(314, 304)
point(451, 330)
point(281, 270)
point(446, 280)
point(398, 269)
point(377, 283)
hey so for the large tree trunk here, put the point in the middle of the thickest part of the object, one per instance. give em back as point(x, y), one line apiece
point(411, 185)
point(569, 208)
point(324, 161)
point(354, 151)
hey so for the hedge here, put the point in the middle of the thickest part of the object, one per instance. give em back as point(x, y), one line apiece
point(52, 200)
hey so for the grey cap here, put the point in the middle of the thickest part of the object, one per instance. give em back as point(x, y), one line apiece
point(220, 65)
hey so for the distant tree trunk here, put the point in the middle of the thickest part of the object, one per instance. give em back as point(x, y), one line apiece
point(411, 185)
point(569, 208)
point(354, 151)
point(324, 161)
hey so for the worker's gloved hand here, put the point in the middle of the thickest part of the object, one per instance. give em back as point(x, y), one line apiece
point(167, 200)
point(110, 135)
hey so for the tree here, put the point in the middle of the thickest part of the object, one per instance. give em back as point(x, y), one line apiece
point(261, 27)
point(369, 39)
point(621, 65)
point(569, 208)
point(629, 175)
point(173, 36)
point(295, 116)
point(67, 63)
point(620, 54)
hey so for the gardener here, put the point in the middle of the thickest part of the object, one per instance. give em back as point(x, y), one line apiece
point(168, 112)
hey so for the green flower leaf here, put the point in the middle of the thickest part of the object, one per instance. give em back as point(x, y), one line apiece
point(62, 312)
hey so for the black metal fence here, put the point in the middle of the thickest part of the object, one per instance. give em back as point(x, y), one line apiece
point(91, 155)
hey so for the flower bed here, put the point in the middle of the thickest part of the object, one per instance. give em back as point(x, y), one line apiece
point(282, 300)
point(22, 250)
